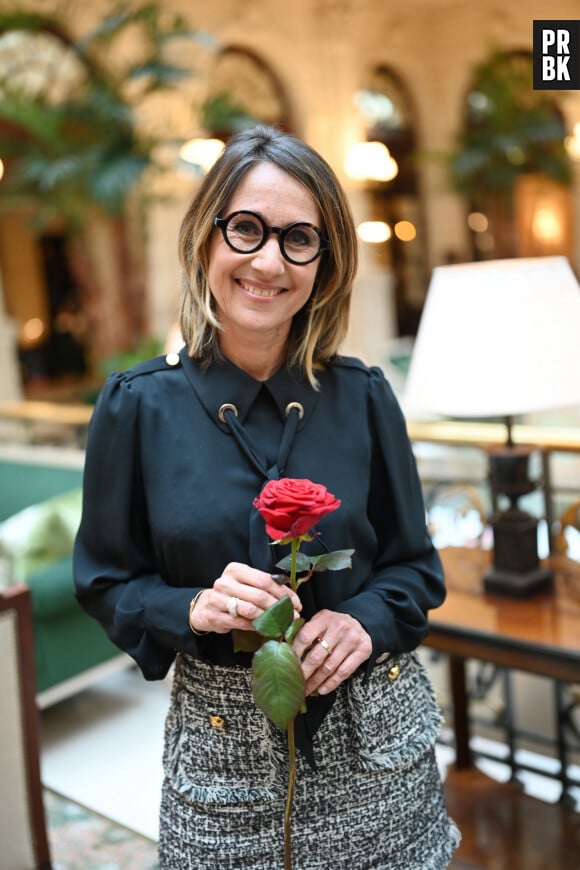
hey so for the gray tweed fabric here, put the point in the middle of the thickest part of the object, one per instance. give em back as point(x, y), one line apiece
point(374, 802)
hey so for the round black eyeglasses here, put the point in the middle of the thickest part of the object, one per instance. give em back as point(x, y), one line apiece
point(245, 232)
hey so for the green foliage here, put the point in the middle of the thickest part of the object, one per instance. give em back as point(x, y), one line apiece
point(338, 560)
point(274, 621)
point(120, 362)
point(335, 561)
point(293, 629)
point(85, 149)
point(277, 682)
point(302, 563)
point(510, 129)
point(220, 112)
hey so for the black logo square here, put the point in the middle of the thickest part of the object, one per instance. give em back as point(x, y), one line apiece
point(556, 55)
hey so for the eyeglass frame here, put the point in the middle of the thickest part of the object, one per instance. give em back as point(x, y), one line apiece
point(222, 224)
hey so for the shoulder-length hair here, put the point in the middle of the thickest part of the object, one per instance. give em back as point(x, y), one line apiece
point(320, 326)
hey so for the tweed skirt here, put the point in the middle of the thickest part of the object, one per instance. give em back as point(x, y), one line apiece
point(374, 801)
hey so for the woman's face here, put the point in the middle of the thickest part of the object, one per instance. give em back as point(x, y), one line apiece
point(257, 295)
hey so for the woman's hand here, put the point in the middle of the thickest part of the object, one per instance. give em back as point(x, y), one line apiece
point(333, 645)
point(236, 598)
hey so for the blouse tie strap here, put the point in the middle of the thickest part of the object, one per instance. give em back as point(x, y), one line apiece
point(228, 414)
point(294, 413)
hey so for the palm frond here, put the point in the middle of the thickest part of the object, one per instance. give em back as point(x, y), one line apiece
point(509, 129)
point(87, 147)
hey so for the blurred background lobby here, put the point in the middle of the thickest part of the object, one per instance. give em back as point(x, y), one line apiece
point(463, 180)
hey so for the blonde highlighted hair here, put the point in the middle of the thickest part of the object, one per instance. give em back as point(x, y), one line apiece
point(320, 326)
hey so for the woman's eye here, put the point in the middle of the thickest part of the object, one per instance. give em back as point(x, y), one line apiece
point(301, 237)
point(248, 229)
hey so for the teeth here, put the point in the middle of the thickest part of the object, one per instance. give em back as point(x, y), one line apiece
point(255, 291)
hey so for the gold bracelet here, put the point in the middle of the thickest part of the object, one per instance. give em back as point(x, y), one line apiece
point(191, 608)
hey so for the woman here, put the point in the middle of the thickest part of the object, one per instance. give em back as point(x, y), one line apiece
point(171, 556)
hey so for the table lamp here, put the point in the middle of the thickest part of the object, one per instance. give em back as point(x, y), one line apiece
point(500, 338)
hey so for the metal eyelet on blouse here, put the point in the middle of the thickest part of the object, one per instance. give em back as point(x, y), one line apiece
point(227, 406)
point(296, 405)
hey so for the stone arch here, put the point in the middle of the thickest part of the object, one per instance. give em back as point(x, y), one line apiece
point(243, 89)
point(389, 116)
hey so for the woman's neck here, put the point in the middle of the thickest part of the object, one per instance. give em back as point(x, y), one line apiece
point(255, 358)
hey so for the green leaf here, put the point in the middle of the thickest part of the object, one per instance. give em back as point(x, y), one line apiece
point(335, 561)
point(302, 563)
point(246, 641)
point(159, 71)
point(274, 621)
point(292, 631)
point(91, 132)
point(278, 683)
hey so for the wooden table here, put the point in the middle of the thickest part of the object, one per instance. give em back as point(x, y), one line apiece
point(33, 413)
point(463, 433)
point(540, 634)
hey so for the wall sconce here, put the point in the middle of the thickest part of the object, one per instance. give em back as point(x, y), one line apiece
point(405, 231)
point(201, 153)
point(374, 232)
point(543, 211)
point(572, 143)
point(32, 333)
point(370, 161)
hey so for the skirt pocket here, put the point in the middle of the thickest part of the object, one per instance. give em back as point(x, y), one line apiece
point(394, 714)
point(219, 747)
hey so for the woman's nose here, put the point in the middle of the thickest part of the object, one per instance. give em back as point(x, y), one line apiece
point(269, 257)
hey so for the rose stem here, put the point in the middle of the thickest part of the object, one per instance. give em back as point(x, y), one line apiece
point(289, 797)
point(294, 555)
point(291, 747)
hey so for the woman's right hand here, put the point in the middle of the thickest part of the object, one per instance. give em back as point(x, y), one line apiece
point(238, 597)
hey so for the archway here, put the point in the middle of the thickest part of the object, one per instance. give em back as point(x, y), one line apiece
point(389, 116)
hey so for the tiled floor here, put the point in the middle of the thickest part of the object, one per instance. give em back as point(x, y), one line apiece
point(102, 749)
point(82, 840)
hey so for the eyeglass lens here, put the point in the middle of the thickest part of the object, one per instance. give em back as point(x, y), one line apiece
point(246, 232)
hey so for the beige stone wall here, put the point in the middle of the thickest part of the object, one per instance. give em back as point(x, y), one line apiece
point(321, 51)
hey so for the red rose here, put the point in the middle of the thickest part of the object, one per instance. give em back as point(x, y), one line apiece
point(291, 507)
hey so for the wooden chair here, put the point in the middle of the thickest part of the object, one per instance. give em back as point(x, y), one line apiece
point(23, 837)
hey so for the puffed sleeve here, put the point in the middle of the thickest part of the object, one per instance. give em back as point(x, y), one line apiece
point(406, 580)
point(116, 577)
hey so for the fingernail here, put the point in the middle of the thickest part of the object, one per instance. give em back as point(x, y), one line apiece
point(279, 578)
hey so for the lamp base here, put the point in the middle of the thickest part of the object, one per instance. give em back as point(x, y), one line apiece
point(514, 585)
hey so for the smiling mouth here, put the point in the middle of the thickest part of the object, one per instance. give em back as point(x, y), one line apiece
point(261, 292)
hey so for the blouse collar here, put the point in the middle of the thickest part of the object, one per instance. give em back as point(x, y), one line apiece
point(224, 383)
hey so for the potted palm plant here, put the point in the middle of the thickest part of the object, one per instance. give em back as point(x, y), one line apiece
point(76, 151)
point(510, 132)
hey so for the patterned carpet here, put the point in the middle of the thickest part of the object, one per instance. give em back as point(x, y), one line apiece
point(82, 840)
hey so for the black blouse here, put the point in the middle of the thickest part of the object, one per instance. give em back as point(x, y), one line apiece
point(168, 491)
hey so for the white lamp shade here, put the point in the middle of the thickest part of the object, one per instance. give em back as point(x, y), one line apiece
point(497, 338)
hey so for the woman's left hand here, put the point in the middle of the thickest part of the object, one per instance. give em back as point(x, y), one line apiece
point(333, 645)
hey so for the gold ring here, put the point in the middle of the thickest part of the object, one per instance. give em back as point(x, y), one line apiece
point(326, 646)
